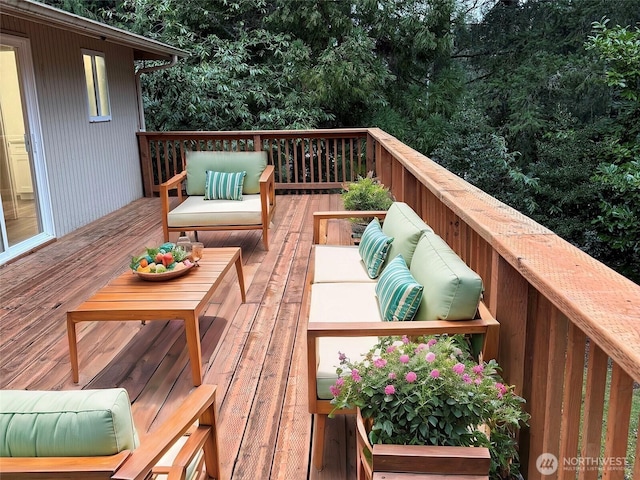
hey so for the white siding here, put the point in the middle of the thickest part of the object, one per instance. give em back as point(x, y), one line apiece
point(93, 168)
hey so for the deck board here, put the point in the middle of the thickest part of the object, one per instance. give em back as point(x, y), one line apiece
point(254, 352)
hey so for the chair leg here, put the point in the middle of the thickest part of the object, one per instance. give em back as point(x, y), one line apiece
point(265, 237)
point(317, 456)
point(195, 235)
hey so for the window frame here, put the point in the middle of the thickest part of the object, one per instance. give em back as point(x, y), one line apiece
point(94, 97)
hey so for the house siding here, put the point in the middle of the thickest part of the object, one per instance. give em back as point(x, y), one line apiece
point(93, 168)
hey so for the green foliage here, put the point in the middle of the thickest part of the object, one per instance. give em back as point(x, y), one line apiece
point(431, 392)
point(620, 48)
point(366, 194)
point(476, 153)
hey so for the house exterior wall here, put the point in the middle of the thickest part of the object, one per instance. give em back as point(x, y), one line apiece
point(93, 168)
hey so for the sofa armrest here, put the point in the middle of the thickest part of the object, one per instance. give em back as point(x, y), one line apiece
point(173, 183)
point(199, 405)
point(320, 220)
point(268, 174)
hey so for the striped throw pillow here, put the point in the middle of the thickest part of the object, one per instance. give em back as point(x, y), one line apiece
point(374, 246)
point(223, 186)
point(399, 294)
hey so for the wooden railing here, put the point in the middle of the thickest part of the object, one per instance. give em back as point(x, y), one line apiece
point(303, 160)
point(570, 326)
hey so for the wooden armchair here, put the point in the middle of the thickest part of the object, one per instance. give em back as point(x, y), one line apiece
point(197, 456)
point(343, 314)
point(254, 211)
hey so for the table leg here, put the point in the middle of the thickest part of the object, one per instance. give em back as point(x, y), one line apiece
point(73, 348)
point(192, 332)
point(241, 276)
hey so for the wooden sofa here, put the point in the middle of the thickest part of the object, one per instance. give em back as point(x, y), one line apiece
point(90, 434)
point(253, 212)
point(344, 315)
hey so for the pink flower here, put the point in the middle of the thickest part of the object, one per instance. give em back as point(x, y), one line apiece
point(477, 381)
point(466, 378)
point(404, 358)
point(431, 342)
point(392, 375)
point(389, 390)
point(430, 357)
point(379, 362)
point(341, 356)
point(340, 381)
point(421, 347)
point(391, 349)
point(458, 368)
point(478, 369)
point(335, 391)
point(435, 373)
point(501, 389)
point(355, 375)
point(405, 339)
point(411, 377)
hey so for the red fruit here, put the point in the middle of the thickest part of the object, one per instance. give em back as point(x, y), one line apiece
point(158, 258)
point(167, 259)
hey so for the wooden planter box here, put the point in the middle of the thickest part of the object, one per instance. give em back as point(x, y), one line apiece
point(393, 461)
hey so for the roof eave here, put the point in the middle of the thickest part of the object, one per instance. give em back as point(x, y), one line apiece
point(144, 48)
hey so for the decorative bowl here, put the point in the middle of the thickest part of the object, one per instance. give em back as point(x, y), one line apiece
point(168, 275)
point(162, 263)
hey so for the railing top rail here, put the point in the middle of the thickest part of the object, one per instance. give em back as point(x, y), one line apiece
point(602, 303)
point(264, 134)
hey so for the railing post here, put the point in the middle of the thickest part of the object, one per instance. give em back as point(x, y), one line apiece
point(371, 155)
point(145, 164)
point(508, 304)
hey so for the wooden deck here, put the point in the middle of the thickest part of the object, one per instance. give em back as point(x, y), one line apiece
point(254, 352)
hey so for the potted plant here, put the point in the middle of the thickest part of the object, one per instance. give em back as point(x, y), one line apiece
point(432, 392)
point(367, 193)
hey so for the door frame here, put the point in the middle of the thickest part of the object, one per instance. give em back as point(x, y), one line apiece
point(33, 133)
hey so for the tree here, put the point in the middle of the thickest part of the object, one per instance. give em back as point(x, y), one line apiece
point(619, 174)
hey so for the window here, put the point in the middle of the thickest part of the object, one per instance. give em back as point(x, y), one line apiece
point(95, 72)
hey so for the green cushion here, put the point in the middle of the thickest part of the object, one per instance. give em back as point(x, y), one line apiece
point(405, 226)
point(373, 248)
point(452, 291)
point(223, 186)
point(74, 423)
point(398, 292)
point(198, 163)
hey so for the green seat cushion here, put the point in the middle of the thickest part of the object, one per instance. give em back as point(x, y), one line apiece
point(223, 185)
point(373, 247)
point(405, 226)
point(452, 291)
point(74, 423)
point(398, 292)
point(198, 163)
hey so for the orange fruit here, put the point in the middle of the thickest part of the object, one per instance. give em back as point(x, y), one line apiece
point(144, 263)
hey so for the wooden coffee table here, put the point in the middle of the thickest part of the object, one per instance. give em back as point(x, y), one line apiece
point(130, 298)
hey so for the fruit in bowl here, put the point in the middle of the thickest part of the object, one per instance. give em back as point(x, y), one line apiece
point(166, 258)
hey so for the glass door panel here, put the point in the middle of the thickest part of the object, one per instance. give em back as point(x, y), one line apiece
point(19, 204)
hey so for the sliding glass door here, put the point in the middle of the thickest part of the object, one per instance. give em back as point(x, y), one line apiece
point(26, 215)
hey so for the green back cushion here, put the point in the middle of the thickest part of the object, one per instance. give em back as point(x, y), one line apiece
point(405, 226)
point(198, 163)
point(452, 291)
point(74, 423)
point(373, 248)
point(398, 292)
